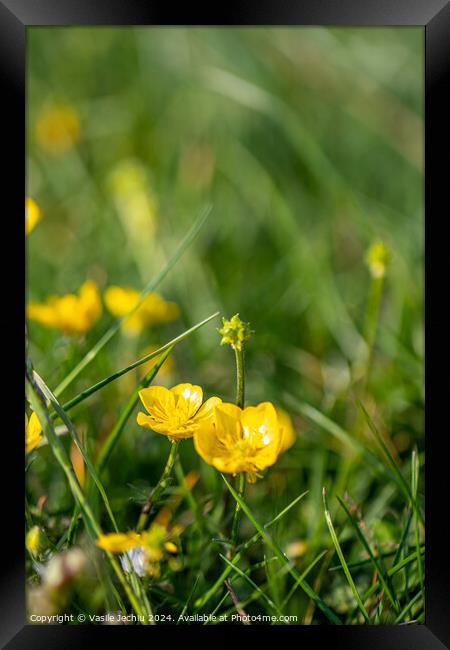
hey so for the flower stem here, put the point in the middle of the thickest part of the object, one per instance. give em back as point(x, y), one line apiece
point(160, 486)
point(240, 401)
point(237, 512)
point(240, 377)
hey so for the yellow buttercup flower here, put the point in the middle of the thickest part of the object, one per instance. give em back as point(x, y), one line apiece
point(72, 314)
point(153, 545)
point(57, 128)
point(176, 412)
point(246, 440)
point(33, 432)
point(33, 215)
point(118, 542)
point(153, 310)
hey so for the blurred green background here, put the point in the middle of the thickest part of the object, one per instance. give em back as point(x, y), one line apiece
point(308, 144)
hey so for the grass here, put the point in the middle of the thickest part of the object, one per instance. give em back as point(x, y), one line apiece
point(239, 170)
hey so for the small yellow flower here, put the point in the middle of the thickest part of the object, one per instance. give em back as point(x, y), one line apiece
point(153, 310)
point(71, 314)
point(33, 432)
point(377, 259)
point(118, 542)
point(57, 128)
point(33, 215)
point(155, 544)
point(243, 440)
point(36, 540)
point(176, 412)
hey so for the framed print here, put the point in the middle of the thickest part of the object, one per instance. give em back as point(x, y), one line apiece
point(232, 274)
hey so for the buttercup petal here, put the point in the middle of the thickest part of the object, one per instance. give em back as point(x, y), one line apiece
point(118, 542)
point(120, 300)
point(206, 411)
point(159, 401)
point(287, 432)
point(206, 443)
point(188, 398)
point(260, 424)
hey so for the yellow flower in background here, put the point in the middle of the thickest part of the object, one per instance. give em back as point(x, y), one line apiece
point(153, 310)
point(378, 258)
point(135, 202)
point(33, 432)
point(176, 412)
point(36, 541)
point(33, 215)
point(57, 128)
point(243, 440)
point(78, 464)
point(71, 314)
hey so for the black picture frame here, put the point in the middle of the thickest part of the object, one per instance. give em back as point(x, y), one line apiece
point(434, 17)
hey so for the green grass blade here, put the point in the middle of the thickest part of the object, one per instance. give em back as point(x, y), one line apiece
point(337, 546)
point(414, 490)
point(115, 434)
point(200, 602)
point(73, 434)
point(92, 473)
point(393, 570)
point(338, 432)
point(253, 584)
point(189, 599)
point(104, 382)
point(377, 565)
point(407, 607)
point(308, 569)
point(151, 286)
point(282, 557)
point(37, 401)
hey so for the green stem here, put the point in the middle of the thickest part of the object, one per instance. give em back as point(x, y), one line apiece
point(240, 401)
point(237, 512)
point(160, 486)
point(240, 378)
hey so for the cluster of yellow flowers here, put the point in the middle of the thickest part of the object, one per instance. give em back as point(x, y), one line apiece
point(229, 438)
point(156, 545)
point(71, 314)
point(153, 310)
point(76, 314)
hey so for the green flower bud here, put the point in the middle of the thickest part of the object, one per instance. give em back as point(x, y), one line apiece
point(234, 332)
point(378, 258)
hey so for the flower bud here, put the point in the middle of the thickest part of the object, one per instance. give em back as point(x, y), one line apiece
point(234, 332)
